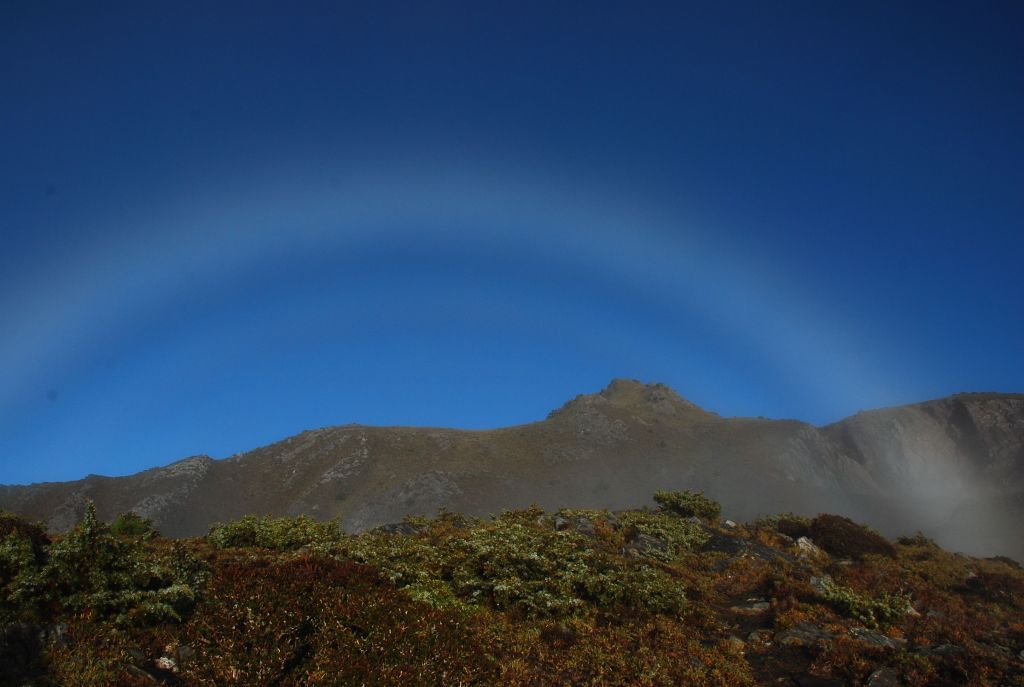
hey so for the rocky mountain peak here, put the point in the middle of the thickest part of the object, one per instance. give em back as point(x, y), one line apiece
point(634, 397)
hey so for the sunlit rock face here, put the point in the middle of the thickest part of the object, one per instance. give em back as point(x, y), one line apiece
point(953, 468)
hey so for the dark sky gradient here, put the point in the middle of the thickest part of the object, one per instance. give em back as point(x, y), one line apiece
point(225, 223)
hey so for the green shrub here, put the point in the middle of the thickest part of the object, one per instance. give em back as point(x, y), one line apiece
point(20, 563)
point(91, 570)
point(271, 532)
point(844, 538)
point(515, 564)
point(918, 539)
point(688, 504)
point(131, 524)
point(23, 550)
point(11, 524)
point(680, 535)
point(538, 572)
point(873, 613)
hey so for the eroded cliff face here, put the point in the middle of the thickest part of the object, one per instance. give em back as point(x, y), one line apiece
point(953, 468)
point(954, 443)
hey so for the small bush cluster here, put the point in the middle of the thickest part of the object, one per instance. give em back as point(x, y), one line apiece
point(873, 613)
point(23, 548)
point(678, 534)
point(19, 528)
point(688, 504)
point(269, 532)
point(90, 570)
point(514, 563)
point(844, 538)
point(917, 539)
point(131, 524)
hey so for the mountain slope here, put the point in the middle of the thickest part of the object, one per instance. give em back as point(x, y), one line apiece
point(899, 469)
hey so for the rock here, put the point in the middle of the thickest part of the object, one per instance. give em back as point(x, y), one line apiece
point(183, 654)
point(939, 650)
point(807, 680)
point(803, 634)
point(821, 584)
point(138, 672)
point(578, 523)
point(752, 606)
point(738, 546)
point(877, 639)
point(729, 524)
point(695, 520)
point(584, 526)
point(645, 544)
point(883, 677)
point(760, 637)
point(398, 528)
point(808, 549)
point(166, 663)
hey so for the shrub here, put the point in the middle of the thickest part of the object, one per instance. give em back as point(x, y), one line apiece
point(19, 567)
point(996, 586)
point(793, 526)
point(314, 621)
point(515, 564)
point(918, 539)
point(32, 533)
point(678, 534)
point(688, 504)
point(270, 532)
point(131, 524)
point(23, 550)
point(91, 570)
point(652, 652)
point(873, 613)
point(844, 538)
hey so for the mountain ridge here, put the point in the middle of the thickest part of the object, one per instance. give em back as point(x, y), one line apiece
point(905, 468)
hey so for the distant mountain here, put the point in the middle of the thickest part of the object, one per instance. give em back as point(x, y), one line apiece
point(953, 468)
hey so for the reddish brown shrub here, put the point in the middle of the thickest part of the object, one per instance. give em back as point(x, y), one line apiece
point(844, 538)
point(655, 652)
point(999, 587)
point(320, 621)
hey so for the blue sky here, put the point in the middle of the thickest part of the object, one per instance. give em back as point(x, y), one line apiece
point(224, 223)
